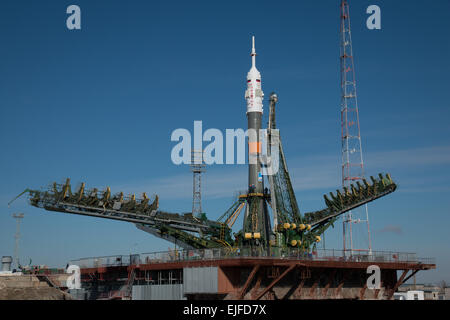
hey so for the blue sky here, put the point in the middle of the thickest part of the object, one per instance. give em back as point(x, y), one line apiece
point(99, 105)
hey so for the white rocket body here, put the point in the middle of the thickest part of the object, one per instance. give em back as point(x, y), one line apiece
point(254, 94)
point(254, 97)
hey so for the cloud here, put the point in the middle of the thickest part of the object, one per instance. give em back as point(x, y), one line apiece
point(425, 189)
point(216, 183)
point(437, 155)
point(307, 173)
point(310, 173)
point(391, 229)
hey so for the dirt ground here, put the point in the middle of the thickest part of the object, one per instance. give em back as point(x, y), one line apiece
point(29, 287)
point(33, 294)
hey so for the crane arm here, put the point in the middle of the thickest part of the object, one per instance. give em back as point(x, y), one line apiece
point(22, 193)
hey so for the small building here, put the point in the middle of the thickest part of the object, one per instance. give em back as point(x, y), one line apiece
point(447, 293)
point(409, 295)
point(430, 292)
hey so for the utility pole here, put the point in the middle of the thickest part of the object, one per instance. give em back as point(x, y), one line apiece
point(18, 217)
point(352, 158)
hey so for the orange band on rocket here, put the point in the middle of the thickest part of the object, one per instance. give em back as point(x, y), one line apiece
point(254, 147)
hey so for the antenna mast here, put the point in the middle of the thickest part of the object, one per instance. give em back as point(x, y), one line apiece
point(18, 217)
point(352, 158)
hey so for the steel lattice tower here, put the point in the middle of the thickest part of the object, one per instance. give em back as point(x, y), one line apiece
point(197, 167)
point(18, 217)
point(352, 158)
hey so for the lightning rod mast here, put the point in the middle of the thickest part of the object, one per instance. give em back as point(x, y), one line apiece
point(352, 158)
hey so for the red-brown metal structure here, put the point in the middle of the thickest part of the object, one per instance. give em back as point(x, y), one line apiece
point(266, 278)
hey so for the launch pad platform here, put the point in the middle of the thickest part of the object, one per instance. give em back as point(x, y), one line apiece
point(221, 274)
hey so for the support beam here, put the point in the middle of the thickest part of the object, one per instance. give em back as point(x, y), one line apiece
point(298, 292)
point(399, 282)
point(411, 275)
point(274, 282)
point(257, 284)
point(330, 280)
point(247, 283)
point(292, 291)
point(312, 291)
point(362, 292)
point(377, 291)
point(341, 284)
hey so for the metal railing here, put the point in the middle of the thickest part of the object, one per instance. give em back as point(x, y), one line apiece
point(233, 253)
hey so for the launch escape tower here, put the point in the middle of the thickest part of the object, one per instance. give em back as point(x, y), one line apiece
point(352, 158)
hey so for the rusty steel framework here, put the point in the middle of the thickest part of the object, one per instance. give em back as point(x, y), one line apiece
point(352, 158)
point(328, 274)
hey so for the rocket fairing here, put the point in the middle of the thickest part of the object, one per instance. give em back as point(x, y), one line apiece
point(254, 95)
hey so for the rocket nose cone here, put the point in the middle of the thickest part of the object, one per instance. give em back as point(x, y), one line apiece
point(254, 73)
point(273, 97)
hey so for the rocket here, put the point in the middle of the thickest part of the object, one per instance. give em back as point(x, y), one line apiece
point(256, 226)
point(254, 96)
